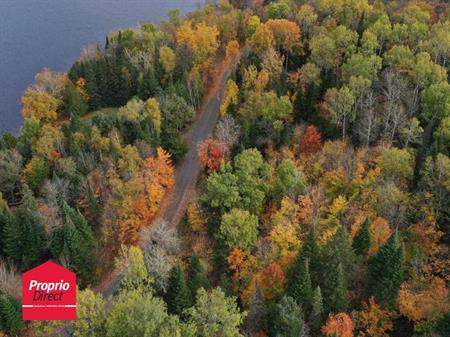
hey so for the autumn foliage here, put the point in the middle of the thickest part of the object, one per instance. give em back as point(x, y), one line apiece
point(339, 325)
point(311, 141)
point(211, 153)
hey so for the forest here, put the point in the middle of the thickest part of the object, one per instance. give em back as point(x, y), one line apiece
point(322, 207)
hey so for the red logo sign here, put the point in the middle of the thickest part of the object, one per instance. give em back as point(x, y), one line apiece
point(49, 293)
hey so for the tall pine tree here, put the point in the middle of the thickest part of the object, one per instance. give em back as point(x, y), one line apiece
point(361, 241)
point(10, 315)
point(24, 238)
point(302, 291)
point(338, 298)
point(337, 269)
point(197, 277)
point(317, 311)
point(386, 272)
point(310, 251)
point(73, 243)
point(178, 296)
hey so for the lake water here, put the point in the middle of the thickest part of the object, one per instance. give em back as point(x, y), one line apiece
point(50, 33)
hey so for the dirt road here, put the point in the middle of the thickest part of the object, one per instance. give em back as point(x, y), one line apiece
point(176, 200)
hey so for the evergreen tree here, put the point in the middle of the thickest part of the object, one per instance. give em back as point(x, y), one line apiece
point(361, 241)
point(10, 237)
point(257, 316)
point(337, 270)
point(24, 237)
point(288, 320)
point(74, 104)
point(178, 296)
point(302, 291)
point(10, 314)
point(386, 272)
point(197, 277)
point(316, 317)
point(148, 85)
point(338, 299)
point(310, 251)
point(74, 243)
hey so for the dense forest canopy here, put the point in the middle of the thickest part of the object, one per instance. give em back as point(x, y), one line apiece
point(323, 204)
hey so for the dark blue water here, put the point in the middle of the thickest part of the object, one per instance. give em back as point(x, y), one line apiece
point(50, 33)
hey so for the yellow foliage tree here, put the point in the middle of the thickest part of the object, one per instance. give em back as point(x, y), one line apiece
point(373, 321)
point(168, 59)
point(40, 105)
point(196, 218)
point(231, 96)
point(380, 231)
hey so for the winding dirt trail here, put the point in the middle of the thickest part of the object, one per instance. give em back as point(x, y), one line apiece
point(175, 202)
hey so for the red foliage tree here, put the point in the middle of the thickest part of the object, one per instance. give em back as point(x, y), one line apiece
point(311, 141)
point(211, 152)
point(272, 281)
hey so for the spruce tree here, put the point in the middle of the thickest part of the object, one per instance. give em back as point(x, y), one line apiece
point(178, 296)
point(337, 270)
point(10, 238)
point(309, 250)
point(288, 321)
point(148, 85)
point(257, 316)
point(74, 242)
point(197, 277)
point(338, 299)
point(317, 312)
point(386, 272)
point(23, 232)
point(302, 291)
point(10, 314)
point(361, 241)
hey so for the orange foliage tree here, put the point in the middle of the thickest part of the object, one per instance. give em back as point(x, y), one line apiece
point(373, 321)
point(311, 141)
point(339, 325)
point(142, 195)
point(422, 298)
point(211, 153)
point(272, 281)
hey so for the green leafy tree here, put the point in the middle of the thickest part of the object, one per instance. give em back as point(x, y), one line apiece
point(289, 181)
point(178, 296)
point(253, 174)
point(361, 241)
point(386, 272)
point(214, 314)
point(91, 314)
point(222, 191)
point(339, 105)
point(135, 275)
point(239, 228)
point(436, 101)
point(288, 321)
point(135, 314)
